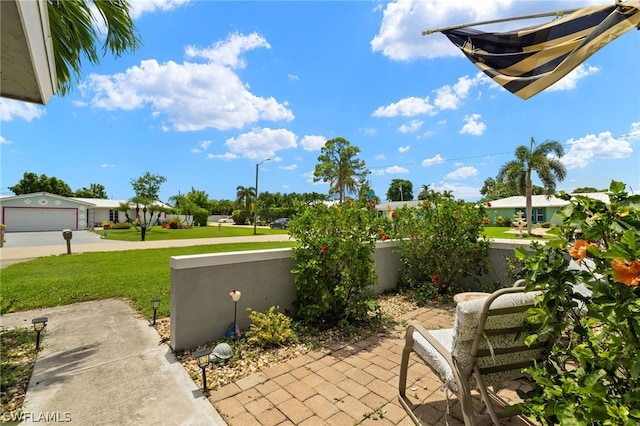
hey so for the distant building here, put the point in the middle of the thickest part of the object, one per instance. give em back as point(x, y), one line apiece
point(43, 211)
point(543, 208)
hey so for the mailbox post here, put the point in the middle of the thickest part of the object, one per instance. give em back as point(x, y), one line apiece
point(67, 235)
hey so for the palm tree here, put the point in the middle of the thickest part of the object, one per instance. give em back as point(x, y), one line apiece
point(544, 159)
point(74, 34)
point(245, 194)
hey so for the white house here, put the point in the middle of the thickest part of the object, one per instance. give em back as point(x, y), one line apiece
point(43, 211)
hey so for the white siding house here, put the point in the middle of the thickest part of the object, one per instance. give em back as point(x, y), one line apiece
point(43, 211)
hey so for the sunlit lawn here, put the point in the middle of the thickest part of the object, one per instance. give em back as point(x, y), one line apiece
point(503, 232)
point(137, 275)
point(158, 233)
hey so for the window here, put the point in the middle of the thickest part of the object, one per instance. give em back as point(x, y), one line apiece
point(113, 216)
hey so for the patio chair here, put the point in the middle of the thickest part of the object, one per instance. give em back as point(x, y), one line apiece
point(484, 348)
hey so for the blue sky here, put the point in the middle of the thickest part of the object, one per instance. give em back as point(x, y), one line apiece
point(218, 87)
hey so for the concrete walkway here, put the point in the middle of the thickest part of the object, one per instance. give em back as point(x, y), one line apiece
point(102, 364)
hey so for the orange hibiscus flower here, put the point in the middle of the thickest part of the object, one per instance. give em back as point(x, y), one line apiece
point(579, 250)
point(626, 272)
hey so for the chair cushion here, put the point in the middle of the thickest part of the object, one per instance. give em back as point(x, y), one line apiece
point(433, 358)
point(466, 325)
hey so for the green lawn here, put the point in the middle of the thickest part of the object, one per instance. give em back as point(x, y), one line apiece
point(503, 232)
point(137, 275)
point(158, 233)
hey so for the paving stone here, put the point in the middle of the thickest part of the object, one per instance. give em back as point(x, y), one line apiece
point(321, 406)
point(330, 391)
point(251, 381)
point(359, 376)
point(295, 410)
point(277, 370)
point(245, 419)
point(271, 417)
point(352, 388)
point(285, 379)
point(300, 390)
point(248, 396)
point(278, 397)
point(230, 407)
point(224, 392)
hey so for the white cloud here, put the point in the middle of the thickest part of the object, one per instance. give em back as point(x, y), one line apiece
point(433, 160)
point(634, 133)
point(449, 97)
point(141, 7)
point(462, 173)
point(203, 146)
point(404, 149)
point(380, 157)
point(313, 143)
point(472, 126)
point(407, 107)
point(590, 147)
point(4, 141)
point(293, 77)
point(395, 170)
point(570, 81)
point(106, 166)
point(369, 131)
point(459, 191)
point(446, 97)
point(192, 95)
point(412, 127)
point(225, 156)
point(289, 167)
point(10, 109)
point(259, 144)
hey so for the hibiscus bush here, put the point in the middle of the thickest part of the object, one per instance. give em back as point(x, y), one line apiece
point(591, 301)
point(439, 241)
point(334, 264)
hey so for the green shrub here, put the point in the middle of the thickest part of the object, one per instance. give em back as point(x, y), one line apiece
point(545, 225)
point(335, 268)
point(121, 225)
point(270, 329)
point(438, 241)
point(503, 221)
point(591, 377)
point(240, 217)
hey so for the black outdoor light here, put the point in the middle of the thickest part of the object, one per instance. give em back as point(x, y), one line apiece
point(38, 325)
point(155, 304)
point(202, 358)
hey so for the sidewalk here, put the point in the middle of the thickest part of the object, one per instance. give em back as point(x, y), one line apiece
point(102, 364)
point(11, 255)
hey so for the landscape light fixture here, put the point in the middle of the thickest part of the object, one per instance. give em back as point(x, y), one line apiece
point(38, 325)
point(202, 358)
point(155, 304)
point(255, 207)
point(235, 296)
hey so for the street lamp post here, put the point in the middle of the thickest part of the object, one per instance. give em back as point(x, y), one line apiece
point(255, 206)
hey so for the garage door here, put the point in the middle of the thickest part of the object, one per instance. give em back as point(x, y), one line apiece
point(23, 219)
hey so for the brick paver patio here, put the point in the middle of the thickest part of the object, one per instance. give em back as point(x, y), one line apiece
point(353, 385)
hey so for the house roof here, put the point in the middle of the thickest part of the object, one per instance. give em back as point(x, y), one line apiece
point(90, 202)
point(26, 51)
point(519, 201)
point(47, 194)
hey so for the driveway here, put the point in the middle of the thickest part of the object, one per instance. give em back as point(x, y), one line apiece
point(51, 238)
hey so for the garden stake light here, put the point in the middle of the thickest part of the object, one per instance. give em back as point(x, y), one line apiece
point(38, 325)
point(202, 358)
point(155, 304)
point(235, 295)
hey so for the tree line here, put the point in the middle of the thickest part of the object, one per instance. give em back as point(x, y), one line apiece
point(340, 167)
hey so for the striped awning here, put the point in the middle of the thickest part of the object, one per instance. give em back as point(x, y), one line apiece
point(527, 61)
